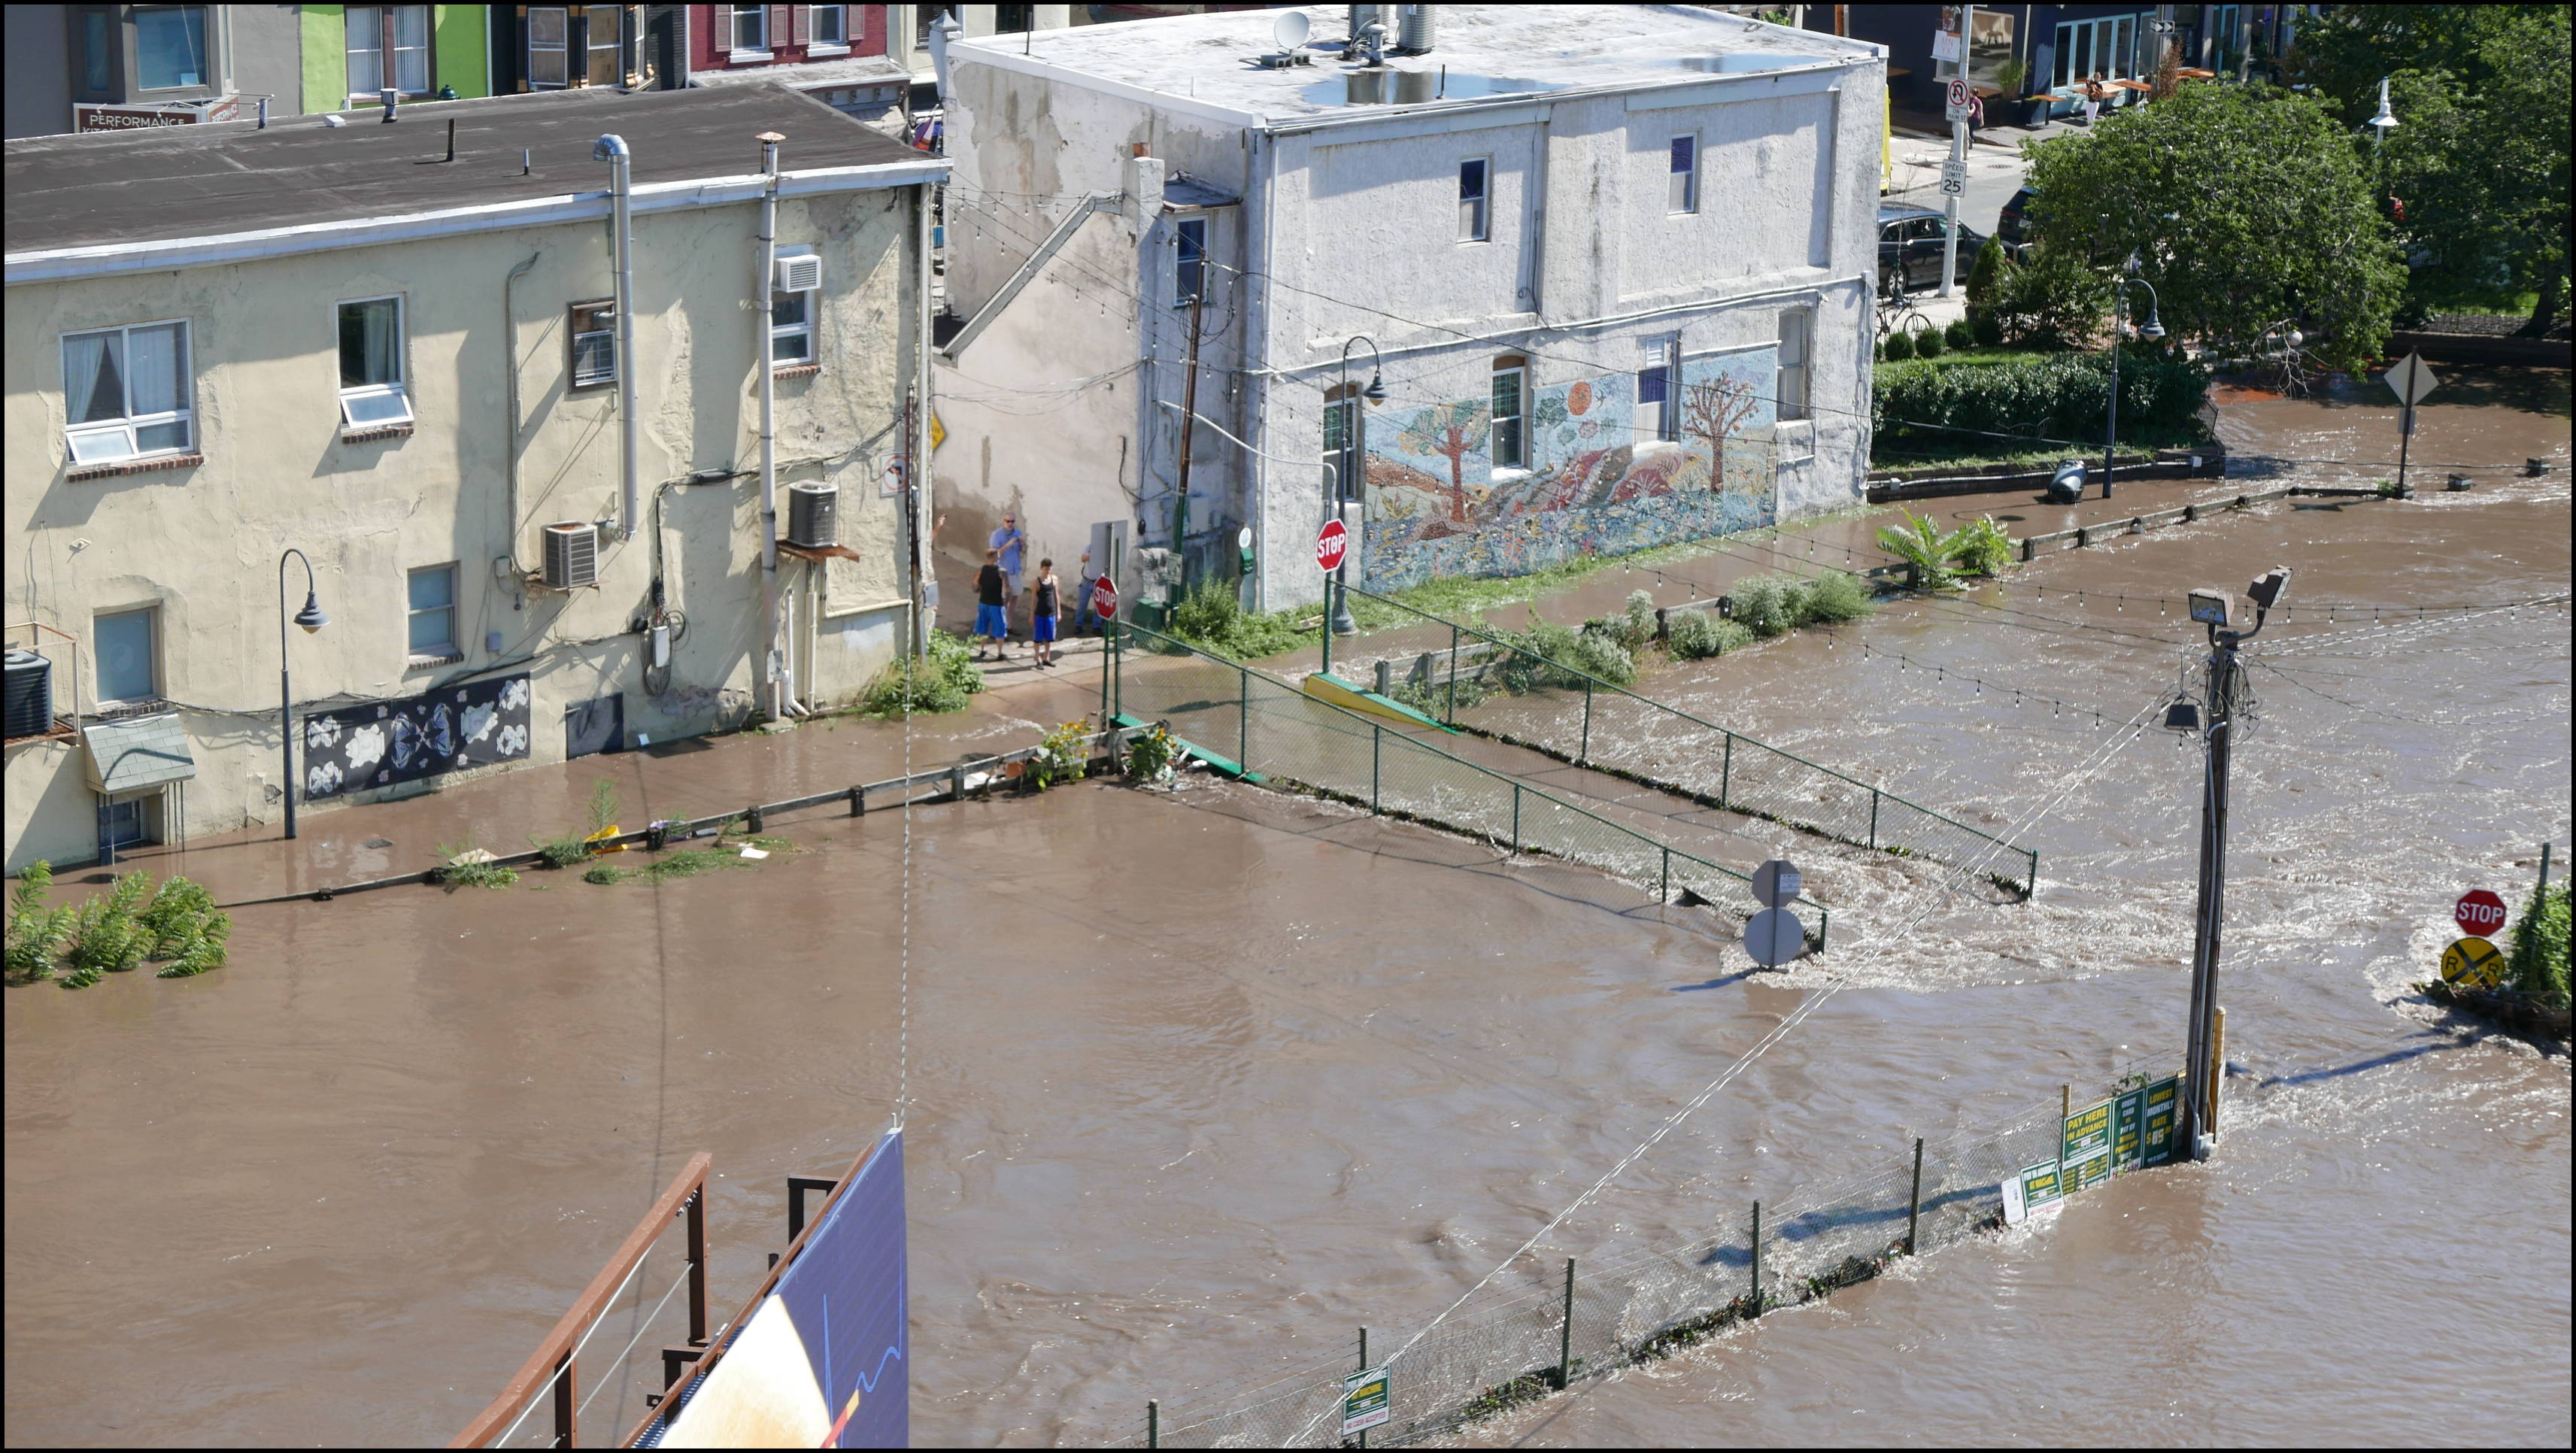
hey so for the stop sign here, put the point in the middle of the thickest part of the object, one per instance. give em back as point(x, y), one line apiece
point(1104, 599)
point(2479, 913)
point(1331, 543)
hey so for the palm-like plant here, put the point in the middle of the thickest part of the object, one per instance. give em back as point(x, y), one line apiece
point(1923, 547)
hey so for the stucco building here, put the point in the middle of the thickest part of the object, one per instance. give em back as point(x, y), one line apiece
point(1612, 264)
point(538, 528)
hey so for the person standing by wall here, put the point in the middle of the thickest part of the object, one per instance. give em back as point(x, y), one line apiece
point(1046, 604)
point(1085, 618)
point(992, 608)
point(1008, 540)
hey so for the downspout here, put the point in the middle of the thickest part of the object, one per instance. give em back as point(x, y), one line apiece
point(772, 653)
point(916, 474)
point(510, 384)
point(621, 179)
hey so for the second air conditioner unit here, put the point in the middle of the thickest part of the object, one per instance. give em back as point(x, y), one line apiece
point(812, 510)
point(572, 556)
point(799, 274)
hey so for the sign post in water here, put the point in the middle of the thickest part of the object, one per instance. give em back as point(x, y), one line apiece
point(1774, 936)
point(1365, 1401)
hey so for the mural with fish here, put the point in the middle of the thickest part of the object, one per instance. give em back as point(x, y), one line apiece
point(1595, 485)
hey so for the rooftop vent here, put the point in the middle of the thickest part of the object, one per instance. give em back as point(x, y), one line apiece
point(1414, 29)
point(572, 555)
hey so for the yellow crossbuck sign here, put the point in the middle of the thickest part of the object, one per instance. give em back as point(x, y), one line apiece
point(2473, 963)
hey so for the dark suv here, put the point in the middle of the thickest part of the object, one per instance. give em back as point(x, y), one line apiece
point(1909, 246)
point(2012, 229)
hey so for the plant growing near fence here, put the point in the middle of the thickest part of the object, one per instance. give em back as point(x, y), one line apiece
point(115, 932)
point(38, 931)
point(941, 679)
point(1150, 754)
point(1696, 635)
point(1546, 644)
point(463, 865)
point(1063, 755)
point(1980, 547)
point(1921, 545)
point(2538, 965)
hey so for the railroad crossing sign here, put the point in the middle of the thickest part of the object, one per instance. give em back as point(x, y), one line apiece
point(1954, 178)
point(2479, 913)
point(1777, 883)
point(1365, 1400)
point(1774, 937)
point(2473, 963)
point(1955, 105)
point(1331, 543)
point(1104, 598)
point(2410, 379)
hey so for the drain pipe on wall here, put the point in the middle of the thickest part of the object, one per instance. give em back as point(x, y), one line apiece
point(917, 478)
point(621, 220)
point(772, 654)
point(513, 572)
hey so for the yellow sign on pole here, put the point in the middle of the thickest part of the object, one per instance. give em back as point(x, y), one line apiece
point(938, 431)
point(2473, 963)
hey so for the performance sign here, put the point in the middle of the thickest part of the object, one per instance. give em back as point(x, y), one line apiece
point(1365, 1403)
point(2086, 1156)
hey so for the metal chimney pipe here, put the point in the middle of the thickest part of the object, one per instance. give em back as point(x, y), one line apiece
point(621, 222)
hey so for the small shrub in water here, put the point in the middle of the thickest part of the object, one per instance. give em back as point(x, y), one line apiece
point(1766, 605)
point(1697, 635)
point(941, 680)
point(1150, 754)
point(467, 866)
point(38, 931)
point(2538, 965)
point(602, 874)
point(1834, 597)
point(1063, 756)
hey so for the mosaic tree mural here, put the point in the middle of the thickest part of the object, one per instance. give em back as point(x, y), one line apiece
point(1595, 486)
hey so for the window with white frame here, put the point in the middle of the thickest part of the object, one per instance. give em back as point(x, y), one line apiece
point(126, 644)
point(1189, 260)
point(1796, 324)
point(1474, 214)
point(372, 391)
point(1507, 438)
point(1682, 193)
point(830, 27)
point(1659, 414)
point(600, 24)
point(2108, 47)
point(549, 47)
point(388, 45)
point(593, 327)
point(127, 392)
point(750, 27)
point(792, 293)
point(433, 613)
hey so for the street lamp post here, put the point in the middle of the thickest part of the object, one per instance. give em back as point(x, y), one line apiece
point(1339, 488)
point(311, 619)
point(2154, 328)
point(2380, 125)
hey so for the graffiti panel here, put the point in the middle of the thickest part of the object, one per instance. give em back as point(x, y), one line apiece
point(386, 742)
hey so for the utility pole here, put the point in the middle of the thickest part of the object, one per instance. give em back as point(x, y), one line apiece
point(1958, 161)
point(1189, 430)
point(2219, 613)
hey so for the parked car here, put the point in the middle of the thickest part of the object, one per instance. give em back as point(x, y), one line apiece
point(1909, 246)
point(2012, 229)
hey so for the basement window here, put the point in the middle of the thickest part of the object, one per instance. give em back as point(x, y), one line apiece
point(371, 372)
point(594, 343)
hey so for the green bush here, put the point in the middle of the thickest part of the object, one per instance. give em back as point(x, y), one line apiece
point(108, 935)
point(1546, 644)
point(1834, 597)
point(2060, 395)
point(1960, 335)
point(1981, 547)
point(2048, 298)
point(456, 870)
point(1897, 347)
point(38, 931)
point(1211, 618)
point(1927, 343)
point(2538, 965)
point(1986, 331)
point(1766, 605)
point(1064, 755)
point(943, 680)
point(1981, 277)
point(1696, 635)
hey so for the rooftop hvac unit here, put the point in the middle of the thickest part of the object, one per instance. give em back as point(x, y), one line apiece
point(799, 274)
point(1414, 28)
point(30, 707)
point(572, 556)
point(812, 510)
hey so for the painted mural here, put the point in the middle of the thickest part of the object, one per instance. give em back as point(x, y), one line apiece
point(387, 742)
point(1437, 507)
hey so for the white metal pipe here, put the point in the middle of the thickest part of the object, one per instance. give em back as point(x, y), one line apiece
point(917, 478)
point(510, 386)
point(621, 225)
point(773, 650)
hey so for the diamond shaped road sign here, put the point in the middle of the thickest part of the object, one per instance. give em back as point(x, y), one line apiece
point(2410, 378)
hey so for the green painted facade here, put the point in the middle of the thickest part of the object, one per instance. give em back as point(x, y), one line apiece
point(459, 40)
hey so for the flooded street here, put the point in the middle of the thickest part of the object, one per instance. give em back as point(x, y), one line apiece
point(1203, 1081)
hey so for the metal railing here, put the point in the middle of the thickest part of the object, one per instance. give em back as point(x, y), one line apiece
point(1637, 737)
point(1272, 729)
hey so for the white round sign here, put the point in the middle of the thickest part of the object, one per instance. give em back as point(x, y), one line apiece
point(1775, 937)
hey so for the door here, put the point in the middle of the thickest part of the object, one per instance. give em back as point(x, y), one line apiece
point(591, 727)
point(1923, 251)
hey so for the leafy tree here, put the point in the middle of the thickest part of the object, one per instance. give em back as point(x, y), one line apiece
point(2243, 204)
point(1452, 431)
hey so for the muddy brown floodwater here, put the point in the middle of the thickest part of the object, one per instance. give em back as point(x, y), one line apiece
point(1203, 1080)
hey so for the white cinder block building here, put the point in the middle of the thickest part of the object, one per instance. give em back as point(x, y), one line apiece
point(1612, 263)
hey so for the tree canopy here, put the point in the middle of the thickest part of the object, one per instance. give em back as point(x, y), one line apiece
point(2244, 205)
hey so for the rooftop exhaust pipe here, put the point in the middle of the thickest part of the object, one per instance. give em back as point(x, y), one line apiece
point(1414, 27)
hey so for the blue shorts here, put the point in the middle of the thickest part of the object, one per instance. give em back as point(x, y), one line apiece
point(992, 620)
point(1042, 629)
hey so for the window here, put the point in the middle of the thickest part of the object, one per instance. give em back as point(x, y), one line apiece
point(433, 612)
point(1795, 325)
point(2107, 48)
point(791, 320)
point(1658, 416)
point(1506, 443)
point(1010, 19)
point(1189, 267)
point(831, 25)
point(388, 46)
point(1342, 442)
point(594, 343)
point(1472, 218)
point(128, 668)
point(1684, 193)
point(170, 47)
point(751, 27)
point(549, 26)
point(98, 61)
point(371, 372)
point(601, 22)
point(127, 392)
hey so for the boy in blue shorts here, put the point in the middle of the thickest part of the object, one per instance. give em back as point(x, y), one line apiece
point(992, 608)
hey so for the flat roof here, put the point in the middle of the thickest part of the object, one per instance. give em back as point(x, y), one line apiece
point(232, 177)
point(1479, 53)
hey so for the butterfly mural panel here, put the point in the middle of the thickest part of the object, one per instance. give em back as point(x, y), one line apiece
point(385, 743)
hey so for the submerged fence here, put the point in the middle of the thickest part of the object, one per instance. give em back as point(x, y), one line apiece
point(1268, 728)
point(1480, 682)
point(1562, 1320)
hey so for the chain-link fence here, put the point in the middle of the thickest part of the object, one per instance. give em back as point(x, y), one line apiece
point(1544, 1324)
point(1480, 682)
point(1269, 729)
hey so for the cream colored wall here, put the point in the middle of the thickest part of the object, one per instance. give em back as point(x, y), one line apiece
point(202, 543)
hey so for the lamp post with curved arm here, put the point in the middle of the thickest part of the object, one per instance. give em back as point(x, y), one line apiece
point(2153, 328)
point(1338, 490)
point(311, 619)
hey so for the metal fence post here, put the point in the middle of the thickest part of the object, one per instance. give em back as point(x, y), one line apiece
point(1108, 667)
point(1757, 1258)
point(1453, 667)
point(1726, 772)
point(1516, 817)
point(2030, 885)
point(1665, 893)
point(1584, 752)
point(1914, 1203)
point(1363, 1367)
point(1153, 1423)
point(1565, 1332)
point(1243, 724)
point(1377, 750)
point(1873, 819)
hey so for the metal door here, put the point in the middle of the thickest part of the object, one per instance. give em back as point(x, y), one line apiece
point(595, 726)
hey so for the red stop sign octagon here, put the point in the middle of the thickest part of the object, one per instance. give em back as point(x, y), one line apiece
point(1331, 543)
point(2479, 913)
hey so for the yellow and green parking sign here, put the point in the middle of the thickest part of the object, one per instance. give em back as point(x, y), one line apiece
point(2086, 1155)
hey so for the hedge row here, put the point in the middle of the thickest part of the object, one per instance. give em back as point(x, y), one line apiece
point(2054, 395)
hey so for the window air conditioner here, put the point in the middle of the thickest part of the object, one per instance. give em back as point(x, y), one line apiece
point(572, 555)
point(799, 274)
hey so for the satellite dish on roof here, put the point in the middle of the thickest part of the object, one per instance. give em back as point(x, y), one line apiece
point(1291, 29)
